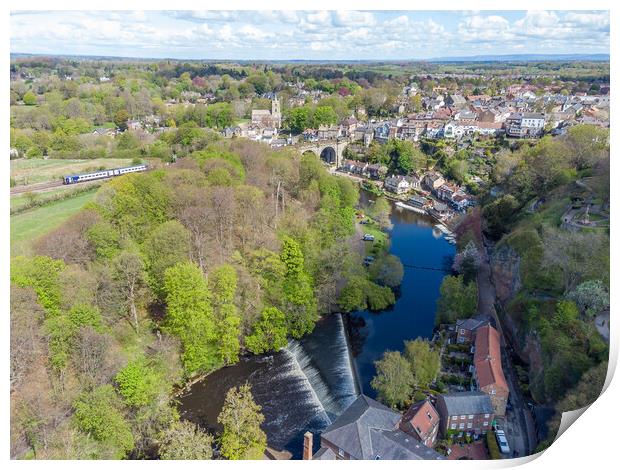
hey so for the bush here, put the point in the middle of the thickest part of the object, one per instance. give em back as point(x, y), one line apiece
point(492, 446)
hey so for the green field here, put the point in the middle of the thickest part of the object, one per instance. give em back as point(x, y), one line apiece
point(29, 225)
point(20, 200)
point(37, 170)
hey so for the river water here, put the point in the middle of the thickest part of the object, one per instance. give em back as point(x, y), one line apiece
point(308, 384)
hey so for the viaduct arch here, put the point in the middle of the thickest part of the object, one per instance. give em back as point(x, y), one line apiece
point(329, 151)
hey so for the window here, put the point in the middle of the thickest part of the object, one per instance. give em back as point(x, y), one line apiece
point(453, 426)
point(471, 416)
point(340, 453)
point(469, 425)
point(487, 415)
point(462, 426)
point(462, 416)
point(486, 423)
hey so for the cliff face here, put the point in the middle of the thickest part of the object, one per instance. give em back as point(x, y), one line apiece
point(506, 276)
point(505, 272)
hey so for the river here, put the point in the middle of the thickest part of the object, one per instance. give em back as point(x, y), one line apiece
point(308, 384)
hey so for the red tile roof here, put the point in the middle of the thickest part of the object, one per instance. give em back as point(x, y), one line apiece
point(421, 418)
point(488, 358)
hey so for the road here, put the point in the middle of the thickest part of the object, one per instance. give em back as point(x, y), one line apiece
point(518, 423)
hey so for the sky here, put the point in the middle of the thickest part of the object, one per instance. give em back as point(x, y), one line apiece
point(310, 35)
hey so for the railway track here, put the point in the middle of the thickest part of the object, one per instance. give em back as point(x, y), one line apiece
point(35, 187)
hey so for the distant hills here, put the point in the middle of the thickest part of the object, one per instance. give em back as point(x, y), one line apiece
point(475, 58)
point(523, 58)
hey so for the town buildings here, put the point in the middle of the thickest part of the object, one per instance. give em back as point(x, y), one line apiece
point(368, 430)
point(465, 412)
point(488, 373)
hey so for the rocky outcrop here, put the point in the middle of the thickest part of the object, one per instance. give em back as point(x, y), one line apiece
point(505, 272)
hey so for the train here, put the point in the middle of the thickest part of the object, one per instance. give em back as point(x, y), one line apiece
point(95, 175)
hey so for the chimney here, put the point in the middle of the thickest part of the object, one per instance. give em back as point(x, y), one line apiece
point(308, 446)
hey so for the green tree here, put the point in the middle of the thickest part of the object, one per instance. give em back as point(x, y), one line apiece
point(190, 317)
point(166, 246)
point(299, 119)
point(120, 119)
point(299, 302)
point(592, 297)
point(241, 438)
point(30, 99)
point(387, 270)
point(185, 441)
point(324, 115)
point(99, 414)
point(268, 333)
point(137, 383)
point(223, 285)
point(456, 299)
point(394, 380)
point(425, 361)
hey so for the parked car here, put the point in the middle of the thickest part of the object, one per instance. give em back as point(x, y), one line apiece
point(502, 442)
point(368, 238)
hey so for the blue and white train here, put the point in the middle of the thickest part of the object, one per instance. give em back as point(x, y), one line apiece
point(72, 179)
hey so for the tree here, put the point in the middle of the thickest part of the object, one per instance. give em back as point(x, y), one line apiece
point(268, 333)
point(30, 99)
point(467, 262)
point(223, 285)
point(98, 413)
point(166, 246)
point(576, 255)
point(299, 301)
point(324, 115)
point(129, 272)
point(394, 380)
point(137, 383)
point(120, 119)
point(456, 299)
point(185, 441)
point(190, 317)
point(387, 270)
point(425, 362)
point(380, 211)
point(299, 119)
point(242, 438)
point(592, 297)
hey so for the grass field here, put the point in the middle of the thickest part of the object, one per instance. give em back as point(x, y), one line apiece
point(30, 225)
point(20, 200)
point(36, 170)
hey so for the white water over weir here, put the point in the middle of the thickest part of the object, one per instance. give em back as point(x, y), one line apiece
point(328, 369)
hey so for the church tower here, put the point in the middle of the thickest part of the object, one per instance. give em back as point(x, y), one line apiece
point(276, 116)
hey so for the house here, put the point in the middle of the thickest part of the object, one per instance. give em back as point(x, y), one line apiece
point(466, 330)
point(488, 372)
point(439, 210)
point(525, 125)
point(329, 132)
point(418, 201)
point(446, 191)
point(349, 125)
point(354, 166)
point(368, 430)
point(433, 180)
point(377, 171)
point(104, 131)
point(458, 101)
point(467, 412)
point(397, 184)
point(422, 422)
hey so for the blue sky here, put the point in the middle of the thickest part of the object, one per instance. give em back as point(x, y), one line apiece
point(264, 35)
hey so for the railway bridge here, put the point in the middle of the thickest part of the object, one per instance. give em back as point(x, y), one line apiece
point(330, 151)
